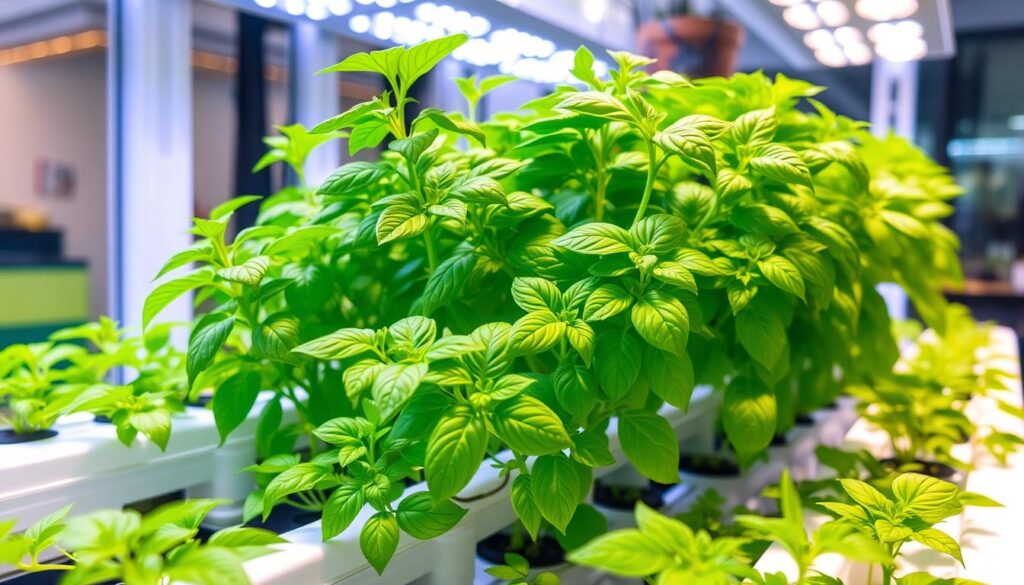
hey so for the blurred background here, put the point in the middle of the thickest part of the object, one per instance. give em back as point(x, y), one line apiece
point(120, 119)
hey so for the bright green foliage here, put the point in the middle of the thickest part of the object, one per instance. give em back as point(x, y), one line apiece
point(667, 552)
point(516, 571)
point(126, 547)
point(804, 547)
point(593, 256)
point(908, 510)
point(921, 408)
point(921, 420)
point(69, 373)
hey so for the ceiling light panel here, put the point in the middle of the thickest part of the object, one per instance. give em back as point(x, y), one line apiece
point(854, 32)
point(527, 55)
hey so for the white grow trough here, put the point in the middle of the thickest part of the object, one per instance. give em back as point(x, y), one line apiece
point(87, 466)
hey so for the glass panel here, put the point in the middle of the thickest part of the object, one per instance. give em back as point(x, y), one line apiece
point(987, 152)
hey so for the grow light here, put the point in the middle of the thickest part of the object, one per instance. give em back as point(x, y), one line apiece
point(510, 50)
point(895, 30)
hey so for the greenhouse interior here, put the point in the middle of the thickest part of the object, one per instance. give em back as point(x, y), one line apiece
point(511, 292)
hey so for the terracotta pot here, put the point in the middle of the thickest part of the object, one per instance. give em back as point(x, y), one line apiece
point(694, 45)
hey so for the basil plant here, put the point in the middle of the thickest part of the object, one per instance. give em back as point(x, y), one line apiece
point(496, 293)
point(72, 371)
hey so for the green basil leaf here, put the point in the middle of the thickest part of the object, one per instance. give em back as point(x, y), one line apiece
point(536, 294)
point(889, 532)
point(417, 60)
point(749, 415)
point(454, 124)
point(783, 274)
point(650, 444)
point(536, 332)
point(359, 377)
point(341, 510)
point(302, 477)
point(420, 415)
point(528, 426)
point(670, 376)
point(781, 163)
point(865, 494)
point(227, 208)
point(691, 145)
point(166, 293)
point(379, 540)
point(200, 251)
point(597, 104)
point(939, 541)
point(413, 147)
point(581, 337)
point(276, 337)
point(422, 518)
point(351, 178)
point(400, 221)
point(626, 552)
point(605, 302)
point(731, 184)
point(509, 385)
point(300, 239)
point(576, 390)
point(482, 189)
point(596, 238)
point(756, 127)
point(448, 280)
point(762, 334)
point(591, 449)
point(208, 565)
point(675, 274)
point(394, 385)
point(349, 118)
point(553, 485)
point(454, 452)
point(206, 339)
point(341, 344)
point(452, 346)
point(233, 400)
point(763, 219)
point(250, 272)
point(617, 363)
point(524, 506)
point(927, 497)
point(657, 234)
point(662, 321)
point(583, 67)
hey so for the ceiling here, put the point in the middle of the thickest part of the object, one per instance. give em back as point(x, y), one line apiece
point(770, 43)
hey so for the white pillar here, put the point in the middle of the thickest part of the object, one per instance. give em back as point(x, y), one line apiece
point(894, 98)
point(149, 149)
point(315, 97)
point(894, 108)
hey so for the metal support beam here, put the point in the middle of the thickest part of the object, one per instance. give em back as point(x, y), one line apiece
point(315, 97)
point(149, 119)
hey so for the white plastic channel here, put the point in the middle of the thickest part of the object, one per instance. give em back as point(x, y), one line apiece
point(990, 538)
point(87, 466)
